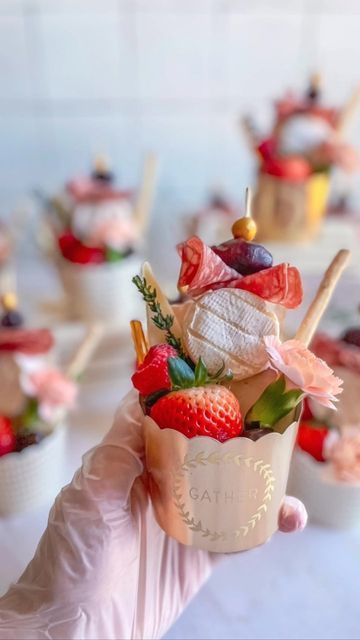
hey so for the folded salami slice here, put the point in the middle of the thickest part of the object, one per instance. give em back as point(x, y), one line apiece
point(336, 353)
point(28, 341)
point(201, 268)
point(280, 284)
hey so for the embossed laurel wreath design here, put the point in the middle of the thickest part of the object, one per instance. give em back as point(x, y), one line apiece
point(258, 465)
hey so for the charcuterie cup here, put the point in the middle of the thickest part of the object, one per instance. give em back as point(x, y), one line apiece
point(101, 292)
point(330, 502)
point(218, 442)
point(30, 478)
point(221, 497)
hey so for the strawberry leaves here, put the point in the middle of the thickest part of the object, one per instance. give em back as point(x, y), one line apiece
point(182, 375)
point(274, 403)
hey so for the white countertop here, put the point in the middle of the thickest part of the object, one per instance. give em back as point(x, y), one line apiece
point(297, 586)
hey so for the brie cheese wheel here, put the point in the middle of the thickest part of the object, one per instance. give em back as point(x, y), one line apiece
point(227, 326)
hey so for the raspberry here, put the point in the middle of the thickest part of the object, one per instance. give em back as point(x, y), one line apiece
point(153, 375)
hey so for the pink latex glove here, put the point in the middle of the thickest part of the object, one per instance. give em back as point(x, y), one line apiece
point(104, 568)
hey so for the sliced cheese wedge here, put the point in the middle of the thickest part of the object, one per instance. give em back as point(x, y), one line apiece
point(228, 326)
point(155, 335)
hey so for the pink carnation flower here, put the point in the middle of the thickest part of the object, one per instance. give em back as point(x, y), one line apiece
point(54, 391)
point(343, 451)
point(114, 232)
point(304, 370)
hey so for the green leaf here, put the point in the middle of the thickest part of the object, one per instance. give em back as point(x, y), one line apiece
point(201, 373)
point(181, 375)
point(164, 323)
point(30, 416)
point(273, 404)
point(112, 255)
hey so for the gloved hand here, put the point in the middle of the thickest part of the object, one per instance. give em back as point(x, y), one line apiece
point(104, 568)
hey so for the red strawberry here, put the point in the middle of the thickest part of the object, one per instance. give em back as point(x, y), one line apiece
point(291, 168)
point(153, 375)
point(307, 414)
point(311, 439)
point(212, 410)
point(7, 436)
point(82, 254)
point(75, 251)
point(67, 242)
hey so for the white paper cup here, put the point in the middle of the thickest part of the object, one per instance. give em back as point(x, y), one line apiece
point(328, 501)
point(221, 497)
point(33, 476)
point(102, 292)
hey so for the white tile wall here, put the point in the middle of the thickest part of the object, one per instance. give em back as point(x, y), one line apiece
point(14, 61)
point(123, 76)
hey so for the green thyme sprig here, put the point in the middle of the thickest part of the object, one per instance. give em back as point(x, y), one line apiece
point(161, 321)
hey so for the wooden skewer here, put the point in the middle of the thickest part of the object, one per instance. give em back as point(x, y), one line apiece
point(85, 350)
point(249, 132)
point(348, 111)
point(146, 192)
point(322, 298)
point(140, 343)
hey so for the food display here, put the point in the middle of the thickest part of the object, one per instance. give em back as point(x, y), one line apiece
point(211, 223)
point(221, 393)
point(97, 230)
point(35, 397)
point(326, 466)
point(295, 162)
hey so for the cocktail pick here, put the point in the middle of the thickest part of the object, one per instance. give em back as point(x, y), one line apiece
point(322, 298)
point(245, 227)
point(140, 343)
point(84, 352)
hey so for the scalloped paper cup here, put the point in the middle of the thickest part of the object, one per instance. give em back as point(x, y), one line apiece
point(102, 292)
point(328, 501)
point(33, 476)
point(221, 497)
point(290, 211)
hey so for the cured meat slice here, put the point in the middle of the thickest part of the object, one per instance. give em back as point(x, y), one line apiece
point(201, 268)
point(280, 284)
point(28, 341)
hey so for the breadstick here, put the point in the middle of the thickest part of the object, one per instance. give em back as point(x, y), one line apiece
point(140, 344)
point(146, 192)
point(82, 356)
point(322, 298)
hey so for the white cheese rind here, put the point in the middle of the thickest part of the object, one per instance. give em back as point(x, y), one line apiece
point(228, 326)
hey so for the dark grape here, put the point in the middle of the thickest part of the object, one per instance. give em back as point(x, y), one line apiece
point(12, 319)
point(244, 257)
point(24, 440)
point(352, 336)
point(103, 176)
point(255, 434)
